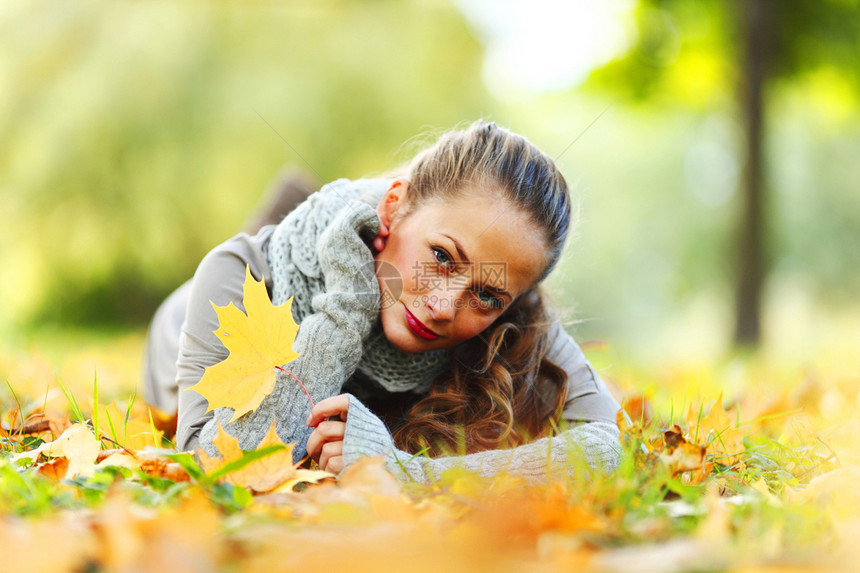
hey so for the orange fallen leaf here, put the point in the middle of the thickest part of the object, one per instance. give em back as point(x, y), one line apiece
point(261, 475)
point(55, 468)
point(259, 340)
point(150, 463)
point(639, 409)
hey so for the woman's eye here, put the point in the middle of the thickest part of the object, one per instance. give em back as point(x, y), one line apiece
point(443, 258)
point(488, 299)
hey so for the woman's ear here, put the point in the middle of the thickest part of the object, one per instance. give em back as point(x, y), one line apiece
point(390, 203)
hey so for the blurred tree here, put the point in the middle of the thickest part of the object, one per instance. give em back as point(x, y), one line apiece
point(136, 136)
point(744, 46)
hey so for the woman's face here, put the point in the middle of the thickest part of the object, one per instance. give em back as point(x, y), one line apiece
point(449, 268)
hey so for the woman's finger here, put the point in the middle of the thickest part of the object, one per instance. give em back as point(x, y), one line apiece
point(333, 406)
point(326, 431)
point(331, 450)
point(334, 465)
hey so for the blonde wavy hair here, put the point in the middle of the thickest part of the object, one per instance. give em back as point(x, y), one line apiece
point(500, 389)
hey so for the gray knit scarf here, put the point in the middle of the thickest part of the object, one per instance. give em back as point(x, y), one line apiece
point(293, 258)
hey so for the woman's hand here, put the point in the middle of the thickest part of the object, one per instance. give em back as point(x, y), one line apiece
point(325, 444)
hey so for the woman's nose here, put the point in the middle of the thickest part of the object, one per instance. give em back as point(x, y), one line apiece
point(442, 303)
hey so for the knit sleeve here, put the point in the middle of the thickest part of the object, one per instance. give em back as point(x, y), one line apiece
point(329, 340)
point(590, 447)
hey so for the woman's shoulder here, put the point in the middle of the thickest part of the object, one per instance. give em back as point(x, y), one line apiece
point(244, 248)
point(296, 239)
point(588, 398)
point(341, 191)
point(331, 197)
point(225, 264)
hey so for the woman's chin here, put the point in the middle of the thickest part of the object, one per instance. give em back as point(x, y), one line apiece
point(402, 338)
point(402, 342)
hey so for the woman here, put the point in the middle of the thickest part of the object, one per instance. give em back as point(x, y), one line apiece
point(419, 301)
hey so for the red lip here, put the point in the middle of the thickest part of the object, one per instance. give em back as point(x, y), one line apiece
point(418, 328)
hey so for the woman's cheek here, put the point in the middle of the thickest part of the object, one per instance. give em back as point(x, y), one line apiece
point(473, 325)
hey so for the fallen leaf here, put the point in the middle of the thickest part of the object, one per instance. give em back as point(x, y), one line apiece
point(181, 537)
point(639, 408)
point(147, 462)
point(55, 468)
point(725, 442)
point(77, 444)
point(59, 425)
point(680, 455)
point(259, 341)
point(304, 476)
point(261, 475)
point(368, 474)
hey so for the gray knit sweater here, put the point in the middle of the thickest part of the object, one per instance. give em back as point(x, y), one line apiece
point(319, 255)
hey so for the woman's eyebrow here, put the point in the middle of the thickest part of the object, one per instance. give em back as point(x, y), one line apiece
point(460, 251)
point(498, 291)
point(462, 254)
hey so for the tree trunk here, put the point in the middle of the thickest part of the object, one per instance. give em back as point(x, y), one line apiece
point(756, 19)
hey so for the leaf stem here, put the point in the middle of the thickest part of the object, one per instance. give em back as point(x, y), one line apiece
point(300, 384)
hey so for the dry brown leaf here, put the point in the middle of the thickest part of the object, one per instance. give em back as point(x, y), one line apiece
point(680, 455)
point(59, 424)
point(164, 421)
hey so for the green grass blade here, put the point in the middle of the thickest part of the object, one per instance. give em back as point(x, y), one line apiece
point(18, 403)
point(113, 436)
point(96, 404)
point(73, 403)
point(128, 407)
point(247, 458)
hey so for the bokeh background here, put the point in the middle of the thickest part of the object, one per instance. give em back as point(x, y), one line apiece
point(135, 136)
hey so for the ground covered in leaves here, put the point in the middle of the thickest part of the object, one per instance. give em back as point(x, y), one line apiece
point(748, 465)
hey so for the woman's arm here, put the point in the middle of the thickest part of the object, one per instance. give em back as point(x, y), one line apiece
point(590, 410)
point(338, 444)
point(219, 279)
point(329, 340)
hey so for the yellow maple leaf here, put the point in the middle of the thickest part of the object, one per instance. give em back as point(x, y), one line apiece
point(263, 474)
point(725, 441)
point(259, 340)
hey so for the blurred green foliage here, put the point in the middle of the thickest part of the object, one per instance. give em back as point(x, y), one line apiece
point(685, 69)
point(136, 136)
